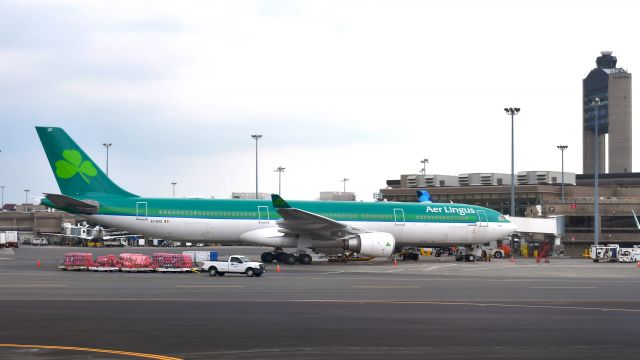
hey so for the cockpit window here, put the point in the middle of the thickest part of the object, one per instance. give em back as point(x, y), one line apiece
point(502, 218)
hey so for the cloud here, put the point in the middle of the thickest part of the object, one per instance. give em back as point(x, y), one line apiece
point(355, 89)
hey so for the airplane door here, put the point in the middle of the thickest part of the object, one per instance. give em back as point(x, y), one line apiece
point(263, 214)
point(141, 211)
point(482, 219)
point(398, 215)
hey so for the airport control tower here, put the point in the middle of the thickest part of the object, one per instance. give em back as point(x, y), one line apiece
point(612, 85)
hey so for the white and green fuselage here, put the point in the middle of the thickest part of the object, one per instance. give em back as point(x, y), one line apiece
point(227, 220)
point(300, 224)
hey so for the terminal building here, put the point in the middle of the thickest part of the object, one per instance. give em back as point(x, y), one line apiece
point(539, 194)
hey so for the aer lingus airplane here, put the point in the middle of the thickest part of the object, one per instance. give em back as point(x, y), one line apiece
point(372, 229)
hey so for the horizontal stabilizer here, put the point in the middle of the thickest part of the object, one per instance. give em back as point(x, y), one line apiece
point(72, 205)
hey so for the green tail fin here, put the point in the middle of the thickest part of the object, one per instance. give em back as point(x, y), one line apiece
point(76, 174)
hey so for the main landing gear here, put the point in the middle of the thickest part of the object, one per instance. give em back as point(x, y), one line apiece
point(409, 254)
point(286, 258)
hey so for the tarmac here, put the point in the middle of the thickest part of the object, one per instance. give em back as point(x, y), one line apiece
point(433, 308)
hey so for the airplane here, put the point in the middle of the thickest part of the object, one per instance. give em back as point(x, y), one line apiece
point(326, 227)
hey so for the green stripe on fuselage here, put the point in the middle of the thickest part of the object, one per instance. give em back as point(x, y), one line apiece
point(253, 209)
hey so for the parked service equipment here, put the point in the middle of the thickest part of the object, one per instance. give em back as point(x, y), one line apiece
point(9, 239)
point(198, 257)
point(238, 264)
point(605, 252)
point(629, 255)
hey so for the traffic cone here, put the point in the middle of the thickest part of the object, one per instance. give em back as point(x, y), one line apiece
point(638, 264)
point(38, 263)
point(395, 262)
point(278, 268)
point(513, 260)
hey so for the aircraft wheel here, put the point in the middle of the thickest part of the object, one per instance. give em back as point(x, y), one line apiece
point(267, 257)
point(290, 259)
point(305, 259)
point(415, 256)
point(280, 256)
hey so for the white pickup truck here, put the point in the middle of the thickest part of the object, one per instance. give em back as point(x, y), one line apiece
point(238, 264)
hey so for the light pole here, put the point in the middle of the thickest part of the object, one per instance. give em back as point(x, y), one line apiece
point(344, 184)
point(26, 196)
point(562, 149)
point(595, 102)
point(174, 188)
point(280, 170)
point(2, 187)
point(256, 137)
point(513, 112)
point(424, 165)
point(107, 145)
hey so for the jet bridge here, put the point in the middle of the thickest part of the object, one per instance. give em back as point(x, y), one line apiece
point(552, 225)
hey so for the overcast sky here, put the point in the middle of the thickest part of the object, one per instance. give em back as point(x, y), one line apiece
point(355, 89)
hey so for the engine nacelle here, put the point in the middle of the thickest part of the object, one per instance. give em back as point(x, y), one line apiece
point(372, 244)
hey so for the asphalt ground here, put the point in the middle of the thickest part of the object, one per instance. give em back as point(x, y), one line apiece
point(434, 308)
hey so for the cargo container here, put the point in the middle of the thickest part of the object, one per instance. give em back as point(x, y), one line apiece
point(9, 239)
point(200, 256)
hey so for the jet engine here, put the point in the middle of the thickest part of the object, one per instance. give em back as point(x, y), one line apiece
point(371, 244)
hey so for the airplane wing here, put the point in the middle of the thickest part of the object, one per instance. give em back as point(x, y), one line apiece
point(300, 221)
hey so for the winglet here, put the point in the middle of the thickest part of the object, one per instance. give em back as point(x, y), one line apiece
point(636, 219)
point(279, 202)
point(424, 196)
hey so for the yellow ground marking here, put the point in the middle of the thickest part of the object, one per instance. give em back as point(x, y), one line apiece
point(209, 286)
point(33, 285)
point(105, 351)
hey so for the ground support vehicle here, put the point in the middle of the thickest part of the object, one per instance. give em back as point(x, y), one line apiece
point(40, 242)
point(9, 239)
point(606, 253)
point(345, 257)
point(409, 253)
point(496, 253)
point(464, 254)
point(629, 255)
point(237, 264)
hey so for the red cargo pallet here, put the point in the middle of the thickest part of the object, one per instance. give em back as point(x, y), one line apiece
point(77, 261)
point(139, 262)
point(172, 261)
point(107, 261)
